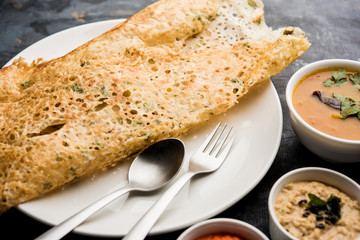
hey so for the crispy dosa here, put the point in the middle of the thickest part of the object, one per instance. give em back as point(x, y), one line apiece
point(163, 71)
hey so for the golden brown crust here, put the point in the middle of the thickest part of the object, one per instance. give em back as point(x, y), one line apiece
point(113, 96)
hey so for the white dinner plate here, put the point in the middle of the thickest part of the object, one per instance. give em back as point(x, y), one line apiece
point(257, 117)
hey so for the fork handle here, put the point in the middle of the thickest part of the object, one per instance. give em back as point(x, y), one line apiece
point(143, 226)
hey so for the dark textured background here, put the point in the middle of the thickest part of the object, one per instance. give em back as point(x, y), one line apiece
point(332, 26)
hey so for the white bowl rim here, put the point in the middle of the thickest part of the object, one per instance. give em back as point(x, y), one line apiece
point(222, 220)
point(298, 75)
point(293, 172)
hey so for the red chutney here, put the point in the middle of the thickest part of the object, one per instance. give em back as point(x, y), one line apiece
point(321, 116)
point(220, 236)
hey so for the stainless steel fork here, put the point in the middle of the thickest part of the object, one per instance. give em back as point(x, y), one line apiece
point(208, 158)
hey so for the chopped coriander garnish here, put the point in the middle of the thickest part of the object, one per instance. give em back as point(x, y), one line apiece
point(26, 84)
point(337, 78)
point(77, 88)
point(83, 63)
point(72, 171)
point(252, 3)
point(258, 22)
point(355, 78)
point(148, 138)
point(288, 30)
point(349, 106)
point(47, 186)
point(246, 45)
point(104, 91)
point(237, 81)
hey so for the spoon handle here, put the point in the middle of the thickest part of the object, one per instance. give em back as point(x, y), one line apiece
point(143, 226)
point(69, 224)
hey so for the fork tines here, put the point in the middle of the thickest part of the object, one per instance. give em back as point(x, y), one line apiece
point(217, 138)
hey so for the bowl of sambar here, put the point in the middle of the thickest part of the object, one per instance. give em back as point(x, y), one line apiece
point(324, 104)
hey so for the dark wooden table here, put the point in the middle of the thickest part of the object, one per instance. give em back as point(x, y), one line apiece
point(332, 26)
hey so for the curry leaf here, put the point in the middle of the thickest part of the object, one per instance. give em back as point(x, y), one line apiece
point(331, 207)
point(316, 204)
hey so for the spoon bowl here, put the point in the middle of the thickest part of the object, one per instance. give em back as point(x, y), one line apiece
point(150, 170)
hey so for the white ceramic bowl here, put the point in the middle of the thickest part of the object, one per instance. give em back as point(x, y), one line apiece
point(326, 176)
point(327, 147)
point(223, 225)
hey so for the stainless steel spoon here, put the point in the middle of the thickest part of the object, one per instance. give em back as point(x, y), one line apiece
point(150, 170)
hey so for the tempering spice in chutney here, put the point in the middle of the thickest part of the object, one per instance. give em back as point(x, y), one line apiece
point(220, 236)
point(329, 100)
